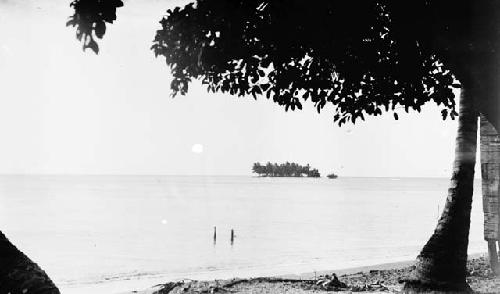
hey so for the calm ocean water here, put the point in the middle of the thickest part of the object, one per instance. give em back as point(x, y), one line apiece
point(116, 233)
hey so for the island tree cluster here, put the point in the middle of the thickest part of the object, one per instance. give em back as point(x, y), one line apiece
point(285, 170)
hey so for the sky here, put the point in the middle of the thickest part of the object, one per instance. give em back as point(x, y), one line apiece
point(65, 111)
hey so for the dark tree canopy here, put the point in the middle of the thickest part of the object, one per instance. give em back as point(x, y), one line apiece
point(363, 57)
point(90, 20)
point(350, 54)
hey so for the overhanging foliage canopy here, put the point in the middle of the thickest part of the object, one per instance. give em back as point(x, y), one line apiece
point(363, 57)
point(350, 54)
point(90, 20)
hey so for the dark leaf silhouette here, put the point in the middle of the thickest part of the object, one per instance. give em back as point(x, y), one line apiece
point(361, 57)
point(282, 46)
point(90, 20)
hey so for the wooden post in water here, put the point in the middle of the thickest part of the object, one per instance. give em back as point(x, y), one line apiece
point(490, 171)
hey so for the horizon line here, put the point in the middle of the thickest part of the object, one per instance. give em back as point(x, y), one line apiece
point(207, 175)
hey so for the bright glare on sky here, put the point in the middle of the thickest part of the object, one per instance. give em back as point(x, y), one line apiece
point(64, 111)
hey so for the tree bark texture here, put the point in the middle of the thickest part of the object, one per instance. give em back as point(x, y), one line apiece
point(20, 275)
point(441, 265)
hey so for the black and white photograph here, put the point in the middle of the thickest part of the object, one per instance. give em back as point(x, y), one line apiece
point(249, 146)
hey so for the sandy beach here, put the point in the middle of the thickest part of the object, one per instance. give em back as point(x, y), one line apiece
point(382, 278)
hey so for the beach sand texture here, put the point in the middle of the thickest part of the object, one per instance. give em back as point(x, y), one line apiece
point(384, 278)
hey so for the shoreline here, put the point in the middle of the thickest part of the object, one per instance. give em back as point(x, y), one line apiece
point(360, 277)
point(133, 284)
point(351, 270)
point(396, 265)
point(149, 286)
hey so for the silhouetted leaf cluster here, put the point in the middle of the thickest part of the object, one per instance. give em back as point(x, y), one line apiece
point(363, 57)
point(90, 20)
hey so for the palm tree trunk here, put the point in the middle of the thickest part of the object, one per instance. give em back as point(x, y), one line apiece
point(441, 265)
point(490, 171)
point(20, 275)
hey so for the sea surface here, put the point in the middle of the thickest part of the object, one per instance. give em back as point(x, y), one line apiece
point(108, 234)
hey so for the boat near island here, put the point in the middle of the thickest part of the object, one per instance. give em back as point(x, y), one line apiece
point(332, 176)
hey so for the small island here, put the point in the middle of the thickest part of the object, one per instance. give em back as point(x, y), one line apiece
point(285, 170)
